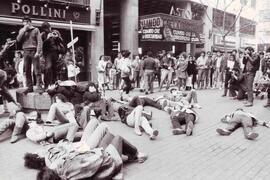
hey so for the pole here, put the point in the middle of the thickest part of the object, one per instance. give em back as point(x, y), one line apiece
point(73, 50)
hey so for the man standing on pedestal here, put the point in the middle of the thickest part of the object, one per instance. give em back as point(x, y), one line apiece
point(30, 38)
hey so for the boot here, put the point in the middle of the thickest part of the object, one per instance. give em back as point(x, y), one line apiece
point(225, 92)
point(16, 134)
point(267, 104)
point(6, 124)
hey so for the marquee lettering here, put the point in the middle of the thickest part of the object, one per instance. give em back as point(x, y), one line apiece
point(38, 11)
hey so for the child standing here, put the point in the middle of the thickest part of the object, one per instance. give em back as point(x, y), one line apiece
point(182, 65)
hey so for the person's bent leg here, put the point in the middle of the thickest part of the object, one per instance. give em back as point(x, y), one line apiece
point(148, 129)
point(94, 138)
point(247, 124)
point(20, 121)
point(5, 124)
point(152, 103)
point(190, 121)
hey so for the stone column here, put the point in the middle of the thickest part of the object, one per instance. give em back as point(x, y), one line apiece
point(208, 30)
point(129, 18)
point(96, 42)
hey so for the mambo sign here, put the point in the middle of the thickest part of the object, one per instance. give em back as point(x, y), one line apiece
point(164, 27)
point(33, 10)
point(161, 20)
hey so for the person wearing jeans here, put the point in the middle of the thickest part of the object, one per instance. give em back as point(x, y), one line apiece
point(126, 72)
point(149, 67)
point(167, 69)
point(185, 117)
point(141, 100)
point(133, 117)
point(97, 155)
point(243, 119)
point(251, 66)
point(31, 41)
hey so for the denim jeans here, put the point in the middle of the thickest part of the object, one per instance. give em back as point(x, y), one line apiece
point(166, 75)
point(249, 79)
point(144, 101)
point(240, 120)
point(29, 59)
point(148, 80)
point(180, 118)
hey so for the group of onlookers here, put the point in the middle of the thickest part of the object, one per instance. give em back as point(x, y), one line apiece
point(233, 72)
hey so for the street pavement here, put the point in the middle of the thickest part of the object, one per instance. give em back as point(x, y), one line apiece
point(205, 155)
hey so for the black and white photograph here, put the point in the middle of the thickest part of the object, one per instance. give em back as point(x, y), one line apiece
point(135, 89)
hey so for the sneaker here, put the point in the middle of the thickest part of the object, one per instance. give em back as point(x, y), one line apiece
point(178, 131)
point(190, 126)
point(154, 135)
point(266, 105)
point(252, 136)
point(223, 132)
point(138, 132)
point(141, 157)
point(197, 106)
point(249, 104)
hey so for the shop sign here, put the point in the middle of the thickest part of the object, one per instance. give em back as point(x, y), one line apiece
point(245, 42)
point(37, 10)
point(230, 41)
point(163, 27)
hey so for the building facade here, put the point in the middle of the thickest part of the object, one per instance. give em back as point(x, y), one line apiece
point(59, 13)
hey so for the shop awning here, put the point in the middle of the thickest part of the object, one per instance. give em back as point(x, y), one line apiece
point(17, 21)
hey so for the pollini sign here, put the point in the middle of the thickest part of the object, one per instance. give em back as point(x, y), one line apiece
point(33, 10)
point(37, 10)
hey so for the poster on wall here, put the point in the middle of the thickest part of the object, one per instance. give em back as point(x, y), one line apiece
point(162, 27)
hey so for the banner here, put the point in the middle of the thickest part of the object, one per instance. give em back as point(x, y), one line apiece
point(162, 27)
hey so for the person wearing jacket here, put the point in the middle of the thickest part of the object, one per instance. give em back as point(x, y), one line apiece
point(228, 66)
point(241, 118)
point(192, 70)
point(149, 67)
point(167, 68)
point(237, 84)
point(182, 65)
point(30, 38)
point(252, 65)
point(180, 117)
point(208, 69)
point(98, 155)
point(52, 48)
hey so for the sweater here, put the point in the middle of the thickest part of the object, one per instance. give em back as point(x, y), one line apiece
point(30, 39)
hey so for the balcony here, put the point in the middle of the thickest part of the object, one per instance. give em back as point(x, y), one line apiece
point(74, 2)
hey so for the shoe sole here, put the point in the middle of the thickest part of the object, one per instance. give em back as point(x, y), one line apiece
point(178, 132)
point(222, 132)
point(253, 136)
point(189, 128)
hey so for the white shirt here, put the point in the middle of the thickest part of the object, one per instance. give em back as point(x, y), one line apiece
point(230, 64)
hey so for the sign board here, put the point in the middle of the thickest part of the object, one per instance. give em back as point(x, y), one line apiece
point(37, 10)
point(229, 41)
point(163, 27)
point(72, 42)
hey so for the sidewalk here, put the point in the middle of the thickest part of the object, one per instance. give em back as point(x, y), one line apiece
point(205, 155)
